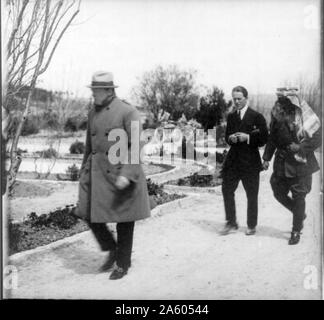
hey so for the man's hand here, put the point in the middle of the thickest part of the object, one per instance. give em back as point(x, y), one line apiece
point(265, 165)
point(294, 147)
point(232, 138)
point(122, 182)
point(241, 136)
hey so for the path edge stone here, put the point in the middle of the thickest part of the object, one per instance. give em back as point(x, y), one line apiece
point(37, 253)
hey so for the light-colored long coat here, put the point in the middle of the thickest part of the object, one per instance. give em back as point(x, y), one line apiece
point(99, 199)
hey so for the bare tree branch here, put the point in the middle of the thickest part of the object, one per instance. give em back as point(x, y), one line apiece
point(17, 26)
point(37, 27)
point(58, 40)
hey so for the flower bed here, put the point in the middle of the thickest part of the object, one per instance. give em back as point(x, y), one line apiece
point(199, 179)
point(40, 230)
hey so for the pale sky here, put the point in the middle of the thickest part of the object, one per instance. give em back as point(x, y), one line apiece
point(258, 44)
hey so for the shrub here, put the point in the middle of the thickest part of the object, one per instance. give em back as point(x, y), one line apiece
point(73, 172)
point(83, 124)
point(77, 147)
point(181, 182)
point(60, 218)
point(70, 125)
point(75, 123)
point(157, 195)
point(31, 126)
point(165, 197)
point(20, 151)
point(50, 119)
point(48, 153)
point(15, 235)
point(200, 180)
point(149, 125)
point(154, 188)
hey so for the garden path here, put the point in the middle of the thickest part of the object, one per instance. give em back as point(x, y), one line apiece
point(180, 255)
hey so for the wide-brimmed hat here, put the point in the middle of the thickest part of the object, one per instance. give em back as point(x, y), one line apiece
point(102, 79)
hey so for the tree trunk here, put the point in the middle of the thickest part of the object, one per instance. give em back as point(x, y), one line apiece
point(15, 158)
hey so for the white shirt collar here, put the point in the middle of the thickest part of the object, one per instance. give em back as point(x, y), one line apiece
point(243, 110)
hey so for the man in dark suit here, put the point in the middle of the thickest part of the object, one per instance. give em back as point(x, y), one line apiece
point(246, 131)
point(294, 161)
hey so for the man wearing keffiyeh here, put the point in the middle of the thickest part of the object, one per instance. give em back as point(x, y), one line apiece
point(295, 133)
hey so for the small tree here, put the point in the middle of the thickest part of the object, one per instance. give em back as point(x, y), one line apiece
point(168, 90)
point(212, 108)
point(35, 28)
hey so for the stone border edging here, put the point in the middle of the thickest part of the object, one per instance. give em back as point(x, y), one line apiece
point(41, 250)
point(161, 174)
point(191, 192)
point(23, 256)
point(186, 189)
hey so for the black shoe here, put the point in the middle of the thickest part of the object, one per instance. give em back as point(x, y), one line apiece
point(118, 273)
point(250, 231)
point(109, 262)
point(295, 237)
point(228, 228)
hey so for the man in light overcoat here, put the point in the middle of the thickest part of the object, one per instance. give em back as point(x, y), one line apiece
point(110, 190)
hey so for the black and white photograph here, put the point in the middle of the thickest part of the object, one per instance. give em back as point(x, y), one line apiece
point(162, 150)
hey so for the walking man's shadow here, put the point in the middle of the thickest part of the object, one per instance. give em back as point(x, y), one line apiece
point(80, 260)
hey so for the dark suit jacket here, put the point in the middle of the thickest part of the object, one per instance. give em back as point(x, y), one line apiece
point(242, 156)
point(285, 163)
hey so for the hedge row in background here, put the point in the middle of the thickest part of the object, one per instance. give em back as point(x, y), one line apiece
point(47, 120)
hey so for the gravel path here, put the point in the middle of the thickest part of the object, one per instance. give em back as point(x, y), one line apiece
point(180, 255)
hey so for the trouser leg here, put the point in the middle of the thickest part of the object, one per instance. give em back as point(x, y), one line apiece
point(280, 188)
point(251, 186)
point(299, 190)
point(230, 182)
point(125, 231)
point(103, 236)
